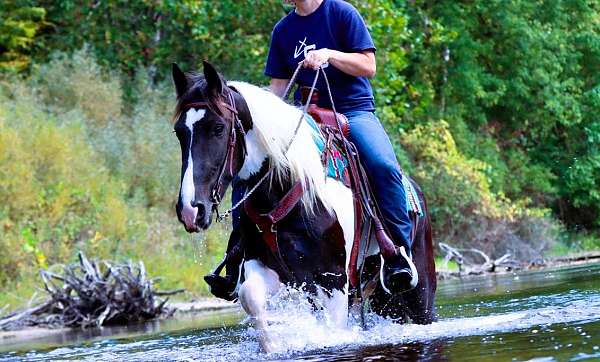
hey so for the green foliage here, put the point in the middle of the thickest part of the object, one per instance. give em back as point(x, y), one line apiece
point(19, 24)
point(76, 82)
point(517, 82)
point(53, 184)
point(129, 34)
point(526, 75)
point(464, 209)
point(74, 177)
point(491, 105)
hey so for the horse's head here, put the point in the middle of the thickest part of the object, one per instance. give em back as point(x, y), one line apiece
point(211, 122)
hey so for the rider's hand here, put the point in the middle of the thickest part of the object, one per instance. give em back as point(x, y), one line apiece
point(316, 58)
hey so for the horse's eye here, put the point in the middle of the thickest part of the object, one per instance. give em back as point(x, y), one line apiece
point(218, 129)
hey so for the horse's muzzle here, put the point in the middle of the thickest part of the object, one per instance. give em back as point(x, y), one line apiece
point(195, 217)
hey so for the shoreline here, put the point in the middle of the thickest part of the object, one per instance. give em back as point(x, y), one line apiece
point(185, 311)
point(204, 307)
point(554, 262)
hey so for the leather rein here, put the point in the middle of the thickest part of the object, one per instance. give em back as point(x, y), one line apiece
point(266, 223)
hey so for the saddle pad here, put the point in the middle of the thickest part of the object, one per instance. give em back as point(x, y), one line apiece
point(337, 164)
point(412, 198)
point(337, 167)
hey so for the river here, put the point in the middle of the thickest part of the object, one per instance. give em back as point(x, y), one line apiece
point(544, 315)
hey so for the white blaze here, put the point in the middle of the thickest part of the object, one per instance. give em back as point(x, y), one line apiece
point(188, 190)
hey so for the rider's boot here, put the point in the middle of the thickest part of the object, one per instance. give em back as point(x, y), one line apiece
point(399, 274)
point(225, 287)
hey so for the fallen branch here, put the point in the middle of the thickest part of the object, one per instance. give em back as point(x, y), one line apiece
point(89, 294)
point(489, 265)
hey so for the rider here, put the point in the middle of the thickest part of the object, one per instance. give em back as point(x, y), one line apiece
point(332, 32)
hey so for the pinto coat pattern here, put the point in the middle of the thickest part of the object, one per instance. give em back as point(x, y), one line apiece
point(315, 239)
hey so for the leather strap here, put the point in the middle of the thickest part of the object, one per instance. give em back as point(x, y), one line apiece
point(237, 131)
point(267, 223)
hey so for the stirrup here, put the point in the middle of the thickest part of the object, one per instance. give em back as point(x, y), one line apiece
point(413, 271)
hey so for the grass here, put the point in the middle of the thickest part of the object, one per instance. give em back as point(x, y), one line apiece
point(442, 266)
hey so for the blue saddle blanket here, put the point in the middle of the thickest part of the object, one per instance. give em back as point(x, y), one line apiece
point(337, 167)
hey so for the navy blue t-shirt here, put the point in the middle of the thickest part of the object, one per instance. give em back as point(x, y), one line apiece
point(335, 25)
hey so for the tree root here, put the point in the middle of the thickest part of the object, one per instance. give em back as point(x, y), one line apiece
point(91, 295)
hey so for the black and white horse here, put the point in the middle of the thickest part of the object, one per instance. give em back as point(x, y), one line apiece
point(237, 129)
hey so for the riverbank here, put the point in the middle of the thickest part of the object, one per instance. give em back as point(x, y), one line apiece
point(555, 310)
point(451, 270)
point(207, 309)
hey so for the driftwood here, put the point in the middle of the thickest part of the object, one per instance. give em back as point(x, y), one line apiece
point(488, 264)
point(91, 294)
point(584, 257)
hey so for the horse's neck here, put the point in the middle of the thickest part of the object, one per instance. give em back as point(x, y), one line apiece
point(270, 192)
point(274, 124)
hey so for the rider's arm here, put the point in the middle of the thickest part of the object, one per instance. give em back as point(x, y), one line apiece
point(361, 64)
point(278, 85)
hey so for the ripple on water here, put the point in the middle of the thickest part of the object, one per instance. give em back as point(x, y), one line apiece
point(308, 337)
point(561, 325)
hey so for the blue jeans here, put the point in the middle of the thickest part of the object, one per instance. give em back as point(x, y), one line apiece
point(379, 160)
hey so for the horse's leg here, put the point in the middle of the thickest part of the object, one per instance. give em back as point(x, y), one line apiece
point(420, 300)
point(260, 283)
point(336, 302)
point(335, 306)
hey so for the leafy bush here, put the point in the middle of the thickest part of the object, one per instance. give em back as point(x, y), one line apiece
point(19, 24)
point(80, 176)
point(464, 209)
point(53, 183)
point(76, 82)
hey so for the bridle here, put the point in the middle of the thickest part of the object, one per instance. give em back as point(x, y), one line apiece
point(236, 127)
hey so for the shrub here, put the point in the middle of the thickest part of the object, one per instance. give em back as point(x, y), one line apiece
point(52, 182)
point(74, 177)
point(465, 211)
point(76, 81)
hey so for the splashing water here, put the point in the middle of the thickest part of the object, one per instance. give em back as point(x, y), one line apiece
point(542, 316)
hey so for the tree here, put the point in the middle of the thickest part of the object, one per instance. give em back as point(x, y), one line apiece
point(19, 25)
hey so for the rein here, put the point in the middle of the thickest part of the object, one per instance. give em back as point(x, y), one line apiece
point(220, 217)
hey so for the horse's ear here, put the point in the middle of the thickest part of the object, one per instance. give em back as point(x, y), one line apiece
point(213, 79)
point(180, 81)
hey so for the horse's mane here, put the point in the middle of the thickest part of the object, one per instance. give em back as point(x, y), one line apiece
point(274, 122)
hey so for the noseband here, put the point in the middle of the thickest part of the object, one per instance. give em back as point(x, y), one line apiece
point(215, 194)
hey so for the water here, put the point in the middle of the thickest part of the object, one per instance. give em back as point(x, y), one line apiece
point(550, 315)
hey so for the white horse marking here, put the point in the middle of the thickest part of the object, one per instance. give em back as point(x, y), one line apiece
point(188, 190)
point(192, 116)
point(335, 307)
point(274, 122)
point(340, 197)
point(255, 157)
point(260, 283)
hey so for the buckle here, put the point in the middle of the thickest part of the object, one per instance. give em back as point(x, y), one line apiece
point(273, 228)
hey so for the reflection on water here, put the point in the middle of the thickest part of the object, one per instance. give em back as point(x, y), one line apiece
point(542, 315)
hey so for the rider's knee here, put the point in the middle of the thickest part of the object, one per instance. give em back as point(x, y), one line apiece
point(386, 169)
